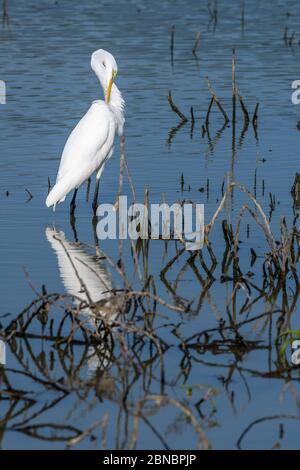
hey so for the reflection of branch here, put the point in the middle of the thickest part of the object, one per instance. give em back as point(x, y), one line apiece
point(161, 400)
point(50, 383)
point(5, 17)
point(174, 131)
point(197, 40)
point(33, 431)
point(87, 432)
point(261, 420)
point(212, 142)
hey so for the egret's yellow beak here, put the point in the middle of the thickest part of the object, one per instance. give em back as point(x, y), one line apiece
point(111, 81)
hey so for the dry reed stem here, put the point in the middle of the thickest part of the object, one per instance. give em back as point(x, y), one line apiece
point(175, 108)
point(217, 101)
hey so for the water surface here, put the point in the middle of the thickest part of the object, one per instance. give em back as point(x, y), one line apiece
point(45, 62)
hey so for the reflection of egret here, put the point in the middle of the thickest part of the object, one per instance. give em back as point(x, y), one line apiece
point(77, 269)
point(90, 144)
point(76, 265)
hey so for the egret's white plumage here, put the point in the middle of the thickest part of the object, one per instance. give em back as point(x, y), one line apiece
point(91, 142)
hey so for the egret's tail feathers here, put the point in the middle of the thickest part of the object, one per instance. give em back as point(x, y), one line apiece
point(59, 191)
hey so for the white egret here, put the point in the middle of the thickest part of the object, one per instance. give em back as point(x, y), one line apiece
point(91, 142)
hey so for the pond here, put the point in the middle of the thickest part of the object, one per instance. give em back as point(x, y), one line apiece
point(194, 348)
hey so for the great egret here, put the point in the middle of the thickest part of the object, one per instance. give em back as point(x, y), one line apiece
point(91, 143)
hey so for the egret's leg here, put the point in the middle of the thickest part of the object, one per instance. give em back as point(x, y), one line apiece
point(88, 186)
point(95, 200)
point(94, 225)
point(73, 204)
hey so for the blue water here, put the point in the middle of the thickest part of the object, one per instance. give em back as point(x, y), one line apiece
point(45, 62)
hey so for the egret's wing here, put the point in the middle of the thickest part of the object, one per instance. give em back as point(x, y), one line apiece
point(85, 150)
point(86, 139)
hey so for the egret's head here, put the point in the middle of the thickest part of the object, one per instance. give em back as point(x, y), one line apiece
point(105, 67)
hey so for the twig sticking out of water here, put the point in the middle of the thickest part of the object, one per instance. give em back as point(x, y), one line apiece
point(30, 196)
point(255, 115)
point(207, 188)
point(208, 112)
point(227, 233)
point(255, 182)
point(193, 121)
point(264, 224)
point(272, 201)
point(243, 15)
point(216, 100)
point(292, 39)
point(172, 44)
point(5, 17)
point(212, 7)
point(192, 115)
point(234, 87)
point(288, 41)
point(175, 108)
point(182, 182)
point(285, 36)
point(222, 187)
point(197, 40)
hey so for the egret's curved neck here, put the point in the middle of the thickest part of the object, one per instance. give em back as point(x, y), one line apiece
point(116, 102)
